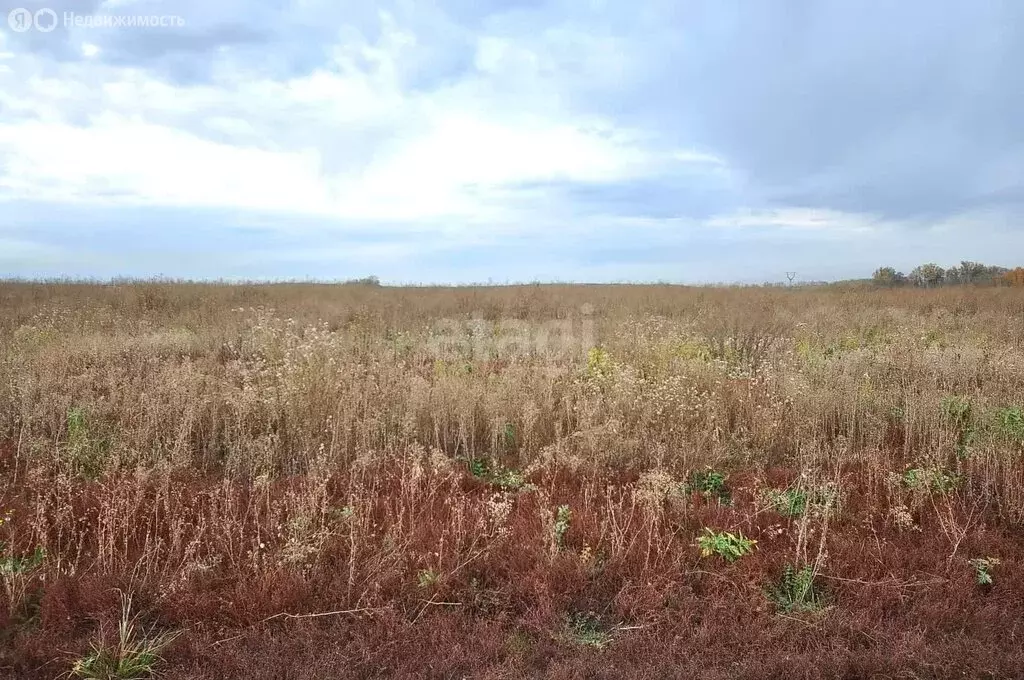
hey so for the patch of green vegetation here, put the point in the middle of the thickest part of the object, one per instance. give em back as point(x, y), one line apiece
point(508, 435)
point(14, 564)
point(519, 643)
point(959, 413)
point(796, 590)
point(134, 656)
point(85, 452)
point(599, 365)
point(983, 567)
point(788, 502)
point(931, 479)
point(934, 339)
point(797, 501)
point(342, 514)
point(692, 350)
point(839, 347)
point(506, 479)
point(427, 578)
point(815, 353)
point(586, 629)
point(709, 483)
point(563, 518)
point(726, 545)
point(1009, 423)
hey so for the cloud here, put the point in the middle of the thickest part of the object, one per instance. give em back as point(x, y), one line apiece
point(732, 140)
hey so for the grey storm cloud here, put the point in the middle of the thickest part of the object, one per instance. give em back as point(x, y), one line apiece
point(901, 109)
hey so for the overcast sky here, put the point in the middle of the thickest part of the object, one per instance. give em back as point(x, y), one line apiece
point(468, 140)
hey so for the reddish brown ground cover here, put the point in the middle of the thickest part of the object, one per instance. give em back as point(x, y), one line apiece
point(899, 603)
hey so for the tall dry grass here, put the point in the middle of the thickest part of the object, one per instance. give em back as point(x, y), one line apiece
point(243, 458)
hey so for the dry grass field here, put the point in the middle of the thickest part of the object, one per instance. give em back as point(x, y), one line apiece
point(344, 481)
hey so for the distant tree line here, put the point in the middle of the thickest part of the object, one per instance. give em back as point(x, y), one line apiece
point(932, 275)
point(365, 281)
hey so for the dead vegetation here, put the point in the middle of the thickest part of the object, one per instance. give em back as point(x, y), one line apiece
point(313, 481)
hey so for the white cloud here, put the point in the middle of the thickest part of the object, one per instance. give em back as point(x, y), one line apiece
point(140, 162)
point(93, 132)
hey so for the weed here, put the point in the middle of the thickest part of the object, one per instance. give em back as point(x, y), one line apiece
point(788, 502)
point(959, 412)
point(796, 501)
point(271, 462)
point(931, 479)
point(135, 655)
point(692, 350)
point(85, 452)
point(506, 479)
point(342, 514)
point(983, 567)
point(428, 578)
point(599, 365)
point(1010, 423)
point(509, 480)
point(508, 435)
point(796, 590)
point(585, 628)
point(479, 468)
point(709, 483)
point(16, 573)
point(11, 564)
point(562, 521)
point(728, 546)
point(519, 643)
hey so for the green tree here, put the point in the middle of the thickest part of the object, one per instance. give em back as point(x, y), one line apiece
point(928, 275)
point(975, 272)
point(887, 276)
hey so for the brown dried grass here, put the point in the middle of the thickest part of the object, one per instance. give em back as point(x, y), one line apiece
point(282, 474)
